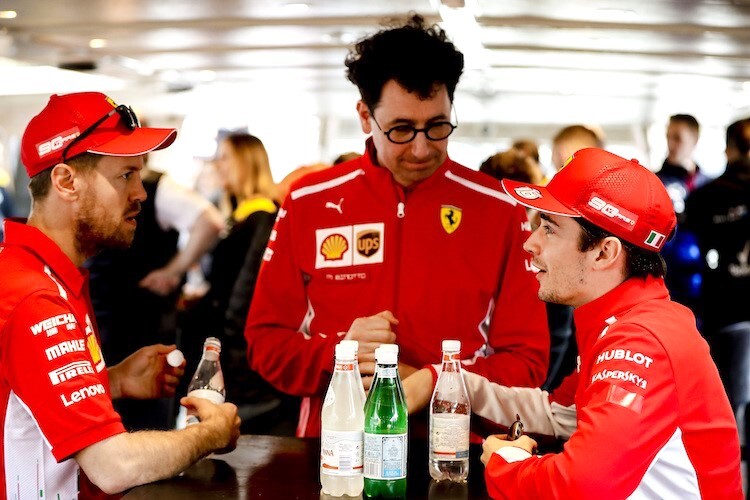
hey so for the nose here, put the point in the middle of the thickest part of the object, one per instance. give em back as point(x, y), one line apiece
point(139, 192)
point(531, 244)
point(420, 146)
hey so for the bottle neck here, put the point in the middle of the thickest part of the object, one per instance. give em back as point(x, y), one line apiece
point(345, 365)
point(210, 355)
point(451, 361)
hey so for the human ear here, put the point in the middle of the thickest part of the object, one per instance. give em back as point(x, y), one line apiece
point(364, 116)
point(63, 179)
point(610, 253)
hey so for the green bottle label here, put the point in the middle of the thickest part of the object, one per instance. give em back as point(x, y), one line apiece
point(385, 456)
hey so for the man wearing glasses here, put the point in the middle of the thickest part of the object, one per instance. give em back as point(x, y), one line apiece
point(83, 154)
point(401, 245)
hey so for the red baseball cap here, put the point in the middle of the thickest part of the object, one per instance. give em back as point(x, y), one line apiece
point(86, 122)
point(618, 195)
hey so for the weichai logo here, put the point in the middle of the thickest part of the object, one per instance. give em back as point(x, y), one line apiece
point(368, 242)
point(50, 325)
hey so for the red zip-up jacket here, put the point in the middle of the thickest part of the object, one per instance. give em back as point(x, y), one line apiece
point(445, 256)
point(653, 420)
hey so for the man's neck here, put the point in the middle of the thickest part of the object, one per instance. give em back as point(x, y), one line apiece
point(59, 232)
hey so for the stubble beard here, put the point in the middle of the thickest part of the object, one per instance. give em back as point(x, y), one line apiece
point(96, 233)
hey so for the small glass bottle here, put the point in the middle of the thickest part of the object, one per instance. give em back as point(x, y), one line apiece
point(386, 430)
point(342, 425)
point(450, 413)
point(208, 381)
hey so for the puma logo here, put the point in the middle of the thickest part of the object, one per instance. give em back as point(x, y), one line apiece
point(330, 204)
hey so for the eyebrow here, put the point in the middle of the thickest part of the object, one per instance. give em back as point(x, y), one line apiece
point(441, 117)
point(547, 218)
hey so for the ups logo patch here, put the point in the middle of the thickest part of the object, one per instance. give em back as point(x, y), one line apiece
point(368, 242)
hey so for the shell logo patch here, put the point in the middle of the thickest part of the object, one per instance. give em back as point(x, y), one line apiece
point(334, 247)
point(450, 218)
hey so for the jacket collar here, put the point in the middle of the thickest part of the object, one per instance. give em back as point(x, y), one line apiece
point(32, 240)
point(590, 319)
point(370, 162)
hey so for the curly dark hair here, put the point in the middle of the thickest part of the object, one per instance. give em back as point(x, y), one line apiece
point(417, 56)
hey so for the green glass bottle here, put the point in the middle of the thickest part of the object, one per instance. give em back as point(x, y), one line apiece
point(386, 431)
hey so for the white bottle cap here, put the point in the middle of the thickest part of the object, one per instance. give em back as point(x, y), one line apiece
point(353, 343)
point(345, 352)
point(386, 356)
point(175, 358)
point(389, 347)
point(213, 344)
point(451, 345)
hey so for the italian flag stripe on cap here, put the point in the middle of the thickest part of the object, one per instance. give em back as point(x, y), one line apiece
point(654, 239)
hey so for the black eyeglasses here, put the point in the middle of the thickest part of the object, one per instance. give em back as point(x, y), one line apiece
point(401, 134)
point(127, 115)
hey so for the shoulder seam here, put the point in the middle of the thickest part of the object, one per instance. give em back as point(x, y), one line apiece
point(480, 188)
point(322, 186)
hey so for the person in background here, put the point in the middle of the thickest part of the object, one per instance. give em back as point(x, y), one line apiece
point(513, 164)
point(571, 139)
point(392, 246)
point(7, 209)
point(680, 175)
point(635, 427)
point(719, 215)
point(84, 155)
point(147, 277)
point(245, 172)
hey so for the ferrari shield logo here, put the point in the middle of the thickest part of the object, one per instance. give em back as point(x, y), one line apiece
point(450, 218)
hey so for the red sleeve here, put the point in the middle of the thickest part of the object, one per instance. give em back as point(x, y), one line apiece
point(627, 417)
point(518, 332)
point(53, 365)
point(293, 360)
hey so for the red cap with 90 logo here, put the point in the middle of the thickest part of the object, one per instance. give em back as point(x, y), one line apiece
point(618, 195)
point(86, 122)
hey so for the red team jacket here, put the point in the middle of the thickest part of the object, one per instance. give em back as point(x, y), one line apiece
point(54, 390)
point(654, 420)
point(445, 256)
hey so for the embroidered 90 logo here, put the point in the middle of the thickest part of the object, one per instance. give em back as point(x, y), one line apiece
point(622, 216)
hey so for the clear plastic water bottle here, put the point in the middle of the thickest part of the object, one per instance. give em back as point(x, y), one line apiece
point(386, 430)
point(450, 413)
point(208, 381)
point(355, 345)
point(343, 422)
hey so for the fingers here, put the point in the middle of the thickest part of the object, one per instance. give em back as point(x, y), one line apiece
point(366, 368)
point(388, 316)
point(367, 383)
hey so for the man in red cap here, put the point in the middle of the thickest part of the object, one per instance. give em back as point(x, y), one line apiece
point(650, 418)
point(84, 155)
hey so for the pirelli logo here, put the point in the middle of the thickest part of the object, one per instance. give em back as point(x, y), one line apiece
point(70, 371)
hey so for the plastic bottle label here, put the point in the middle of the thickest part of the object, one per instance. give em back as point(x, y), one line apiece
point(341, 453)
point(385, 456)
point(387, 372)
point(449, 436)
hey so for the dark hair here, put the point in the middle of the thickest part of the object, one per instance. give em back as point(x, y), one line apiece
point(417, 56)
point(40, 184)
point(688, 120)
point(738, 136)
point(639, 262)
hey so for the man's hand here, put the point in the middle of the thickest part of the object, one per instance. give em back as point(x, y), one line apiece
point(497, 441)
point(161, 281)
point(146, 374)
point(371, 332)
point(222, 421)
point(418, 389)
